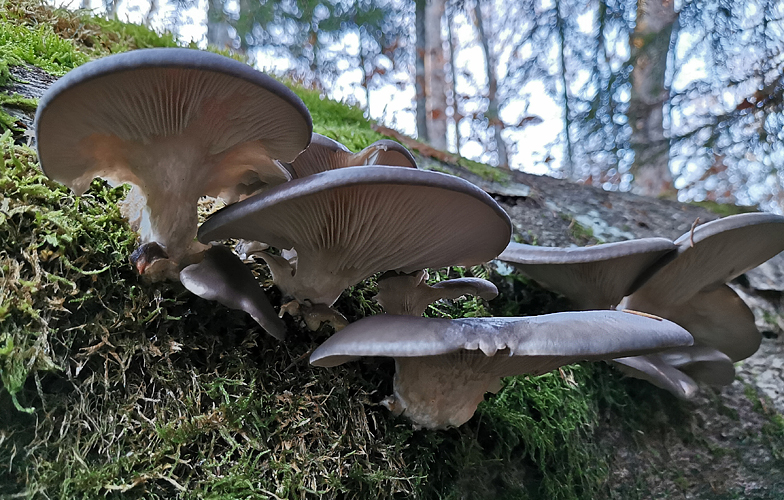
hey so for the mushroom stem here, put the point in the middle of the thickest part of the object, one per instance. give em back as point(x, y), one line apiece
point(441, 391)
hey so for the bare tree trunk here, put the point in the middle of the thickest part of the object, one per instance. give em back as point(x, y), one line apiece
point(454, 43)
point(421, 96)
point(217, 27)
point(436, 79)
point(650, 45)
point(492, 94)
point(567, 163)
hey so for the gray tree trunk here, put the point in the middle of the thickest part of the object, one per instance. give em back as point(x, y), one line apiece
point(435, 61)
point(454, 43)
point(650, 45)
point(495, 122)
point(217, 27)
point(421, 55)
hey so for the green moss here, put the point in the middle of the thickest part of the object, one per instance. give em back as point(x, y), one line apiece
point(345, 124)
point(484, 171)
point(724, 209)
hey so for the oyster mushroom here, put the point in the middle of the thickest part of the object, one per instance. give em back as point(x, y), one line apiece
point(678, 370)
point(325, 154)
point(711, 255)
point(690, 289)
point(351, 223)
point(444, 367)
point(596, 277)
point(221, 276)
point(410, 294)
point(176, 124)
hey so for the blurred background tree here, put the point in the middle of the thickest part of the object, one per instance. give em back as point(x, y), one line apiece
point(663, 97)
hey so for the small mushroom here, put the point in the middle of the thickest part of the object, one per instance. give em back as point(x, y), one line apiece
point(325, 154)
point(176, 124)
point(653, 369)
point(221, 276)
point(351, 223)
point(678, 370)
point(596, 277)
point(444, 367)
point(410, 294)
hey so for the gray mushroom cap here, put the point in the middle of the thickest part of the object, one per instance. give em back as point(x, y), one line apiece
point(351, 223)
point(221, 276)
point(325, 154)
point(177, 124)
point(444, 367)
point(712, 255)
point(653, 369)
point(702, 363)
point(596, 277)
point(410, 294)
point(717, 318)
point(678, 370)
point(585, 335)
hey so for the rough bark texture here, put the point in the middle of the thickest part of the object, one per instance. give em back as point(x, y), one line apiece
point(650, 43)
point(435, 61)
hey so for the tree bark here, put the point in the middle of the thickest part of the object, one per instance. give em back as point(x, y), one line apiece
point(421, 55)
point(217, 27)
point(650, 43)
point(454, 43)
point(568, 166)
point(495, 122)
point(435, 61)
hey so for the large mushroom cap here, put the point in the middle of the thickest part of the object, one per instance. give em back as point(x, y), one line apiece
point(325, 154)
point(177, 124)
point(595, 277)
point(714, 254)
point(717, 318)
point(350, 223)
point(444, 367)
point(570, 336)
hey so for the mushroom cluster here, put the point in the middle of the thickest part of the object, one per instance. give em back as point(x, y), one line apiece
point(180, 124)
point(683, 281)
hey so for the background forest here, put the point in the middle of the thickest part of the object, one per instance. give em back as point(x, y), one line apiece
point(654, 96)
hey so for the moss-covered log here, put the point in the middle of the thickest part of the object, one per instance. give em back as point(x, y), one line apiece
point(115, 387)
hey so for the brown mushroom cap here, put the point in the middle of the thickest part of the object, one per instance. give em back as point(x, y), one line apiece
point(351, 223)
point(596, 277)
point(445, 366)
point(410, 294)
point(714, 254)
point(717, 318)
point(177, 124)
point(221, 276)
point(325, 154)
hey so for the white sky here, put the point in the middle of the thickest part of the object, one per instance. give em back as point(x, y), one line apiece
point(393, 106)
